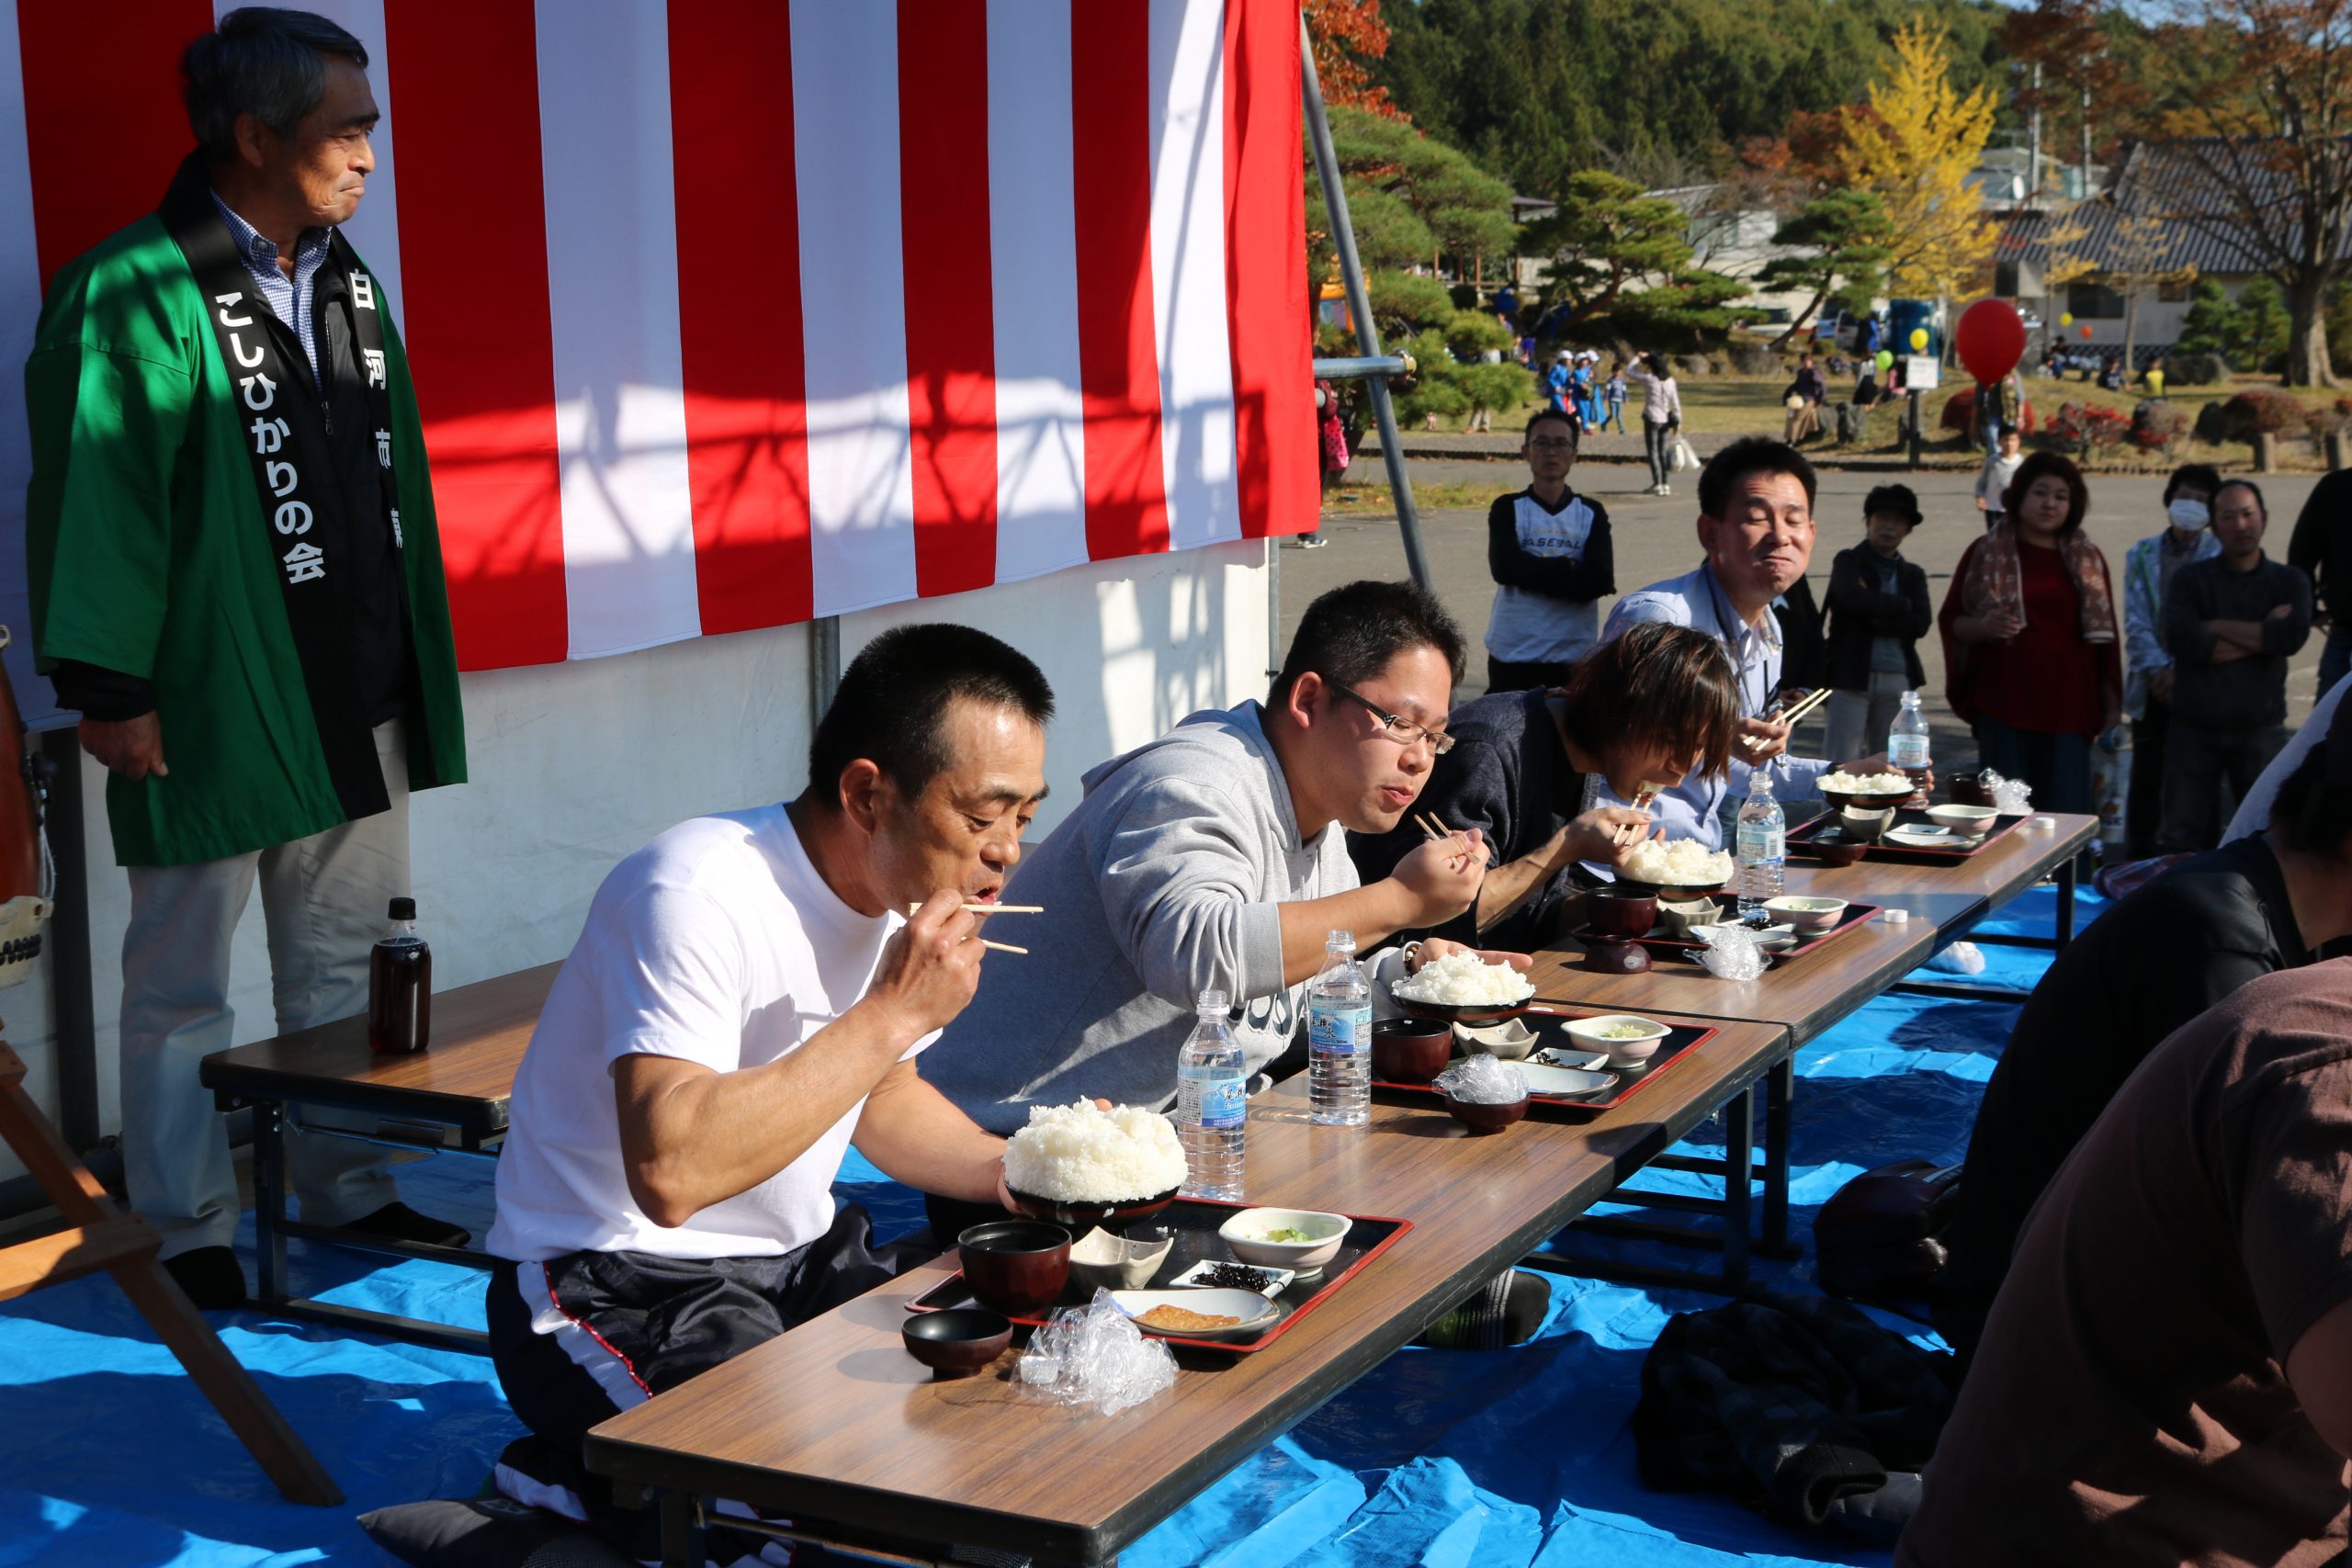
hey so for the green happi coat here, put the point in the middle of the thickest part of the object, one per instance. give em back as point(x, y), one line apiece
point(149, 554)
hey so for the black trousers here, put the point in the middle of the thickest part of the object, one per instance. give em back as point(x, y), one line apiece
point(1508, 675)
point(580, 1338)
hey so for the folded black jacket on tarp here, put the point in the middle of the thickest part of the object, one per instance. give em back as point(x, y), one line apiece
point(1800, 1406)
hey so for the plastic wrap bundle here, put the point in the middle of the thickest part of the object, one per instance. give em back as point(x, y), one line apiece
point(1960, 958)
point(1731, 952)
point(1482, 1079)
point(2012, 795)
point(1096, 1357)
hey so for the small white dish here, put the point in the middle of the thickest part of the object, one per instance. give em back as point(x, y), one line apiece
point(1571, 1083)
point(1246, 1234)
point(1103, 1261)
point(1508, 1041)
point(1255, 1313)
point(1972, 821)
point(1276, 1280)
point(1625, 1050)
point(1587, 1060)
point(1807, 913)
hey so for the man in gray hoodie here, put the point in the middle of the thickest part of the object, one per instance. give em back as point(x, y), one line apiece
point(1217, 857)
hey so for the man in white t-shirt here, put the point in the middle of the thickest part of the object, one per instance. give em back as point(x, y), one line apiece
point(745, 1001)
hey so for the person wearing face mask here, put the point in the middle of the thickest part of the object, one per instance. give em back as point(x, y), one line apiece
point(1756, 525)
point(1653, 707)
point(2148, 570)
point(2033, 659)
point(2233, 621)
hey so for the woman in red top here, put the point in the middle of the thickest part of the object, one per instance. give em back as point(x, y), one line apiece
point(2032, 651)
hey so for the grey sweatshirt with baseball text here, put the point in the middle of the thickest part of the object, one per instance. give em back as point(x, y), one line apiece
point(1163, 884)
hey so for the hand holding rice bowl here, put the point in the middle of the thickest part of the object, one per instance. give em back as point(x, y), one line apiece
point(1677, 863)
point(1079, 1154)
point(1464, 979)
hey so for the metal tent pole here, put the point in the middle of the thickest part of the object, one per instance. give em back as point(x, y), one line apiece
point(1335, 202)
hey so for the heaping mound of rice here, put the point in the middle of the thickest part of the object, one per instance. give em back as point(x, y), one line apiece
point(1464, 979)
point(1076, 1154)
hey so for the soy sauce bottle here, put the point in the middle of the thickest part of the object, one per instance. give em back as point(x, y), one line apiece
point(400, 986)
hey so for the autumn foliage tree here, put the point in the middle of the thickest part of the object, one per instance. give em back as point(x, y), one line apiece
point(2255, 101)
point(1914, 145)
point(1347, 33)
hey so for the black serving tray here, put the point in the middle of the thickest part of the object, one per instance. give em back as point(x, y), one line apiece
point(1194, 1222)
point(1802, 837)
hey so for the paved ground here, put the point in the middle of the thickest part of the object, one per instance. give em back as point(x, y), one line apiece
point(1655, 539)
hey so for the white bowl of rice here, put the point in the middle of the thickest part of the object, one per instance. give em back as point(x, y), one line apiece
point(1078, 1164)
point(1680, 866)
point(1464, 988)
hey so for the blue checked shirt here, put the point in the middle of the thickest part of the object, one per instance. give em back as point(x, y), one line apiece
point(287, 298)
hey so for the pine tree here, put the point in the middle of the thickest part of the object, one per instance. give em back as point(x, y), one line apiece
point(1914, 145)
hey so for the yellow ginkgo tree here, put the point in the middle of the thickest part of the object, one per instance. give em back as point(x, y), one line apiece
point(1914, 145)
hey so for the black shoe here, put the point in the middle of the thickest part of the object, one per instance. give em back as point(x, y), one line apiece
point(398, 1221)
point(212, 1276)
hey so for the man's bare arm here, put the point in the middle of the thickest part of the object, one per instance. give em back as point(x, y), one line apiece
point(917, 1136)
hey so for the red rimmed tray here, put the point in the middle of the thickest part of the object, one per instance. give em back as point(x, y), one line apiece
point(1849, 918)
point(1801, 837)
point(1681, 1041)
point(1194, 1222)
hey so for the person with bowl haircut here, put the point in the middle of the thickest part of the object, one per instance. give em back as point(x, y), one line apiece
point(2163, 954)
point(1756, 528)
point(747, 999)
point(1648, 709)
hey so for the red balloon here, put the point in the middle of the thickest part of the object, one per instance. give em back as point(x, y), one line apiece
point(1991, 339)
point(2086, 333)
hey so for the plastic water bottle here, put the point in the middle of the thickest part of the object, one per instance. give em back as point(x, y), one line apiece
point(1339, 1037)
point(1763, 845)
point(1906, 743)
point(1212, 1103)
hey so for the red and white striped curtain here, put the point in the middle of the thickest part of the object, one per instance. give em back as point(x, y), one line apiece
point(729, 313)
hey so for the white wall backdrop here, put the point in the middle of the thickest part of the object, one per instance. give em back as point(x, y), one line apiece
point(576, 765)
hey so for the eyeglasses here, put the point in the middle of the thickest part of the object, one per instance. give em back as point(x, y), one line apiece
point(1553, 445)
point(1402, 730)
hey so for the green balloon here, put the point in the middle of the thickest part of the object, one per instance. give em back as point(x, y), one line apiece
point(1885, 359)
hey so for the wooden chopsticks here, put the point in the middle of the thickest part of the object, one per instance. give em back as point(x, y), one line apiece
point(978, 909)
point(1631, 832)
point(1793, 715)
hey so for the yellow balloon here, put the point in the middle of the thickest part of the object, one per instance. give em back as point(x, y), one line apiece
point(1918, 340)
point(2065, 317)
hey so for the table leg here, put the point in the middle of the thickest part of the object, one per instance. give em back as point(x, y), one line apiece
point(269, 1200)
point(1739, 1176)
point(2065, 902)
point(1780, 1087)
point(682, 1543)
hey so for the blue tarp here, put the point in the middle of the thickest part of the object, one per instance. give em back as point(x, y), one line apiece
point(1436, 1459)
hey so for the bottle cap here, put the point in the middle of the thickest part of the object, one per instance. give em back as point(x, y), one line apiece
point(403, 908)
point(1213, 1001)
point(1341, 939)
point(1895, 916)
